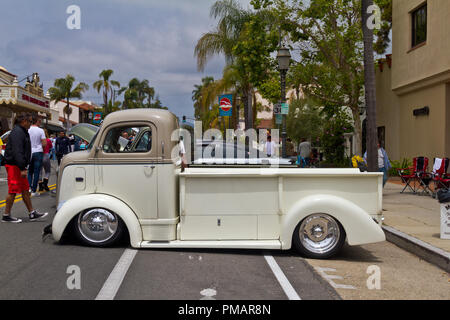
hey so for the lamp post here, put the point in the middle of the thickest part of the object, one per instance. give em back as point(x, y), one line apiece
point(284, 59)
point(238, 112)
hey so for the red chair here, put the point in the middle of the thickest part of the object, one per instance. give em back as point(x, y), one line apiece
point(440, 176)
point(414, 174)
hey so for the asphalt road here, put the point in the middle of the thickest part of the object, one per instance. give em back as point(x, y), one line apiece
point(33, 269)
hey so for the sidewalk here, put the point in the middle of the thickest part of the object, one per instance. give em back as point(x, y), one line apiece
point(413, 223)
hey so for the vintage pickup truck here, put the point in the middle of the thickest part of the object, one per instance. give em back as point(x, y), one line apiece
point(127, 183)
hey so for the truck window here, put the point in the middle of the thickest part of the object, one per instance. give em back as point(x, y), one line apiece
point(128, 140)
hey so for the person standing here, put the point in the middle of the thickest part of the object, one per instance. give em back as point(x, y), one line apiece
point(270, 147)
point(17, 159)
point(62, 146)
point(384, 165)
point(53, 152)
point(38, 143)
point(46, 165)
point(304, 151)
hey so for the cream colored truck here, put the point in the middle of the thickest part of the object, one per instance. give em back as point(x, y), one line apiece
point(127, 181)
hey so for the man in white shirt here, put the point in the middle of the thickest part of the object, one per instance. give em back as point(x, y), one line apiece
point(270, 147)
point(38, 143)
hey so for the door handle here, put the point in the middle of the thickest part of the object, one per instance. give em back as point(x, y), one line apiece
point(149, 170)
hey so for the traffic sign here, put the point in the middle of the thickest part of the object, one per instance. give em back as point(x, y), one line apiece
point(281, 108)
point(278, 119)
point(97, 118)
point(226, 105)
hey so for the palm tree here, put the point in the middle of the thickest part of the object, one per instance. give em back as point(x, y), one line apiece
point(136, 93)
point(232, 19)
point(107, 86)
point(370, 86)
point(197, 96)
point(62, 90)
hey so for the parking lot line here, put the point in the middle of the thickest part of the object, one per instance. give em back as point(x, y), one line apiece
point(284, 282)
point(112, 284)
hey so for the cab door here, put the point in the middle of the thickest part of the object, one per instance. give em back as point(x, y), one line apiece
point(126, 167)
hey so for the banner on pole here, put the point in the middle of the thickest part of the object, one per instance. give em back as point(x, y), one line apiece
point(226, 105)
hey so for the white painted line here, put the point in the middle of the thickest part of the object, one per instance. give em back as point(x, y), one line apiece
point(329, 278)
point(284, 282)
point(112, 284)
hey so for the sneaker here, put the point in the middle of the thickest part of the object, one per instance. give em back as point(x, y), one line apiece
point(10, 219)
point(35, 216)
point(35, 194)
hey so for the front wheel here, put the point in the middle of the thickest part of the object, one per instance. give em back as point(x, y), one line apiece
point(98, 228)
point(319, 236)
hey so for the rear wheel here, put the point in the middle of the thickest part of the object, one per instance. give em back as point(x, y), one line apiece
point(319, 236)
point(98, 227)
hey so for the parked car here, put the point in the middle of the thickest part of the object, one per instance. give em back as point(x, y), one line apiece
point(4, 139)
point(222, 153)
point(110, 190)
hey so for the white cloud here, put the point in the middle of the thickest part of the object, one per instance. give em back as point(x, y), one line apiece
point(149, 39)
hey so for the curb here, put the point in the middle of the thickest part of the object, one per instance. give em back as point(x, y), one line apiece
point(423, 250)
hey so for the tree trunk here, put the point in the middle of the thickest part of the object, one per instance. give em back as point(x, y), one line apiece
point(249, 116)
point(370, 87)
point(358, 131)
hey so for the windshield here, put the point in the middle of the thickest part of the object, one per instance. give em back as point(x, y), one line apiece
point(89, 147)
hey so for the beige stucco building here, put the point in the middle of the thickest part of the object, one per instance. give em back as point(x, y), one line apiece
point(413, 85)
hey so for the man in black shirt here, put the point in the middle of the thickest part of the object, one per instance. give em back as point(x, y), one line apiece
point(17, 159)
point(63, 146)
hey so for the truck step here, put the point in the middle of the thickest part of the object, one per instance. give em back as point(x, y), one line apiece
point(241, 244)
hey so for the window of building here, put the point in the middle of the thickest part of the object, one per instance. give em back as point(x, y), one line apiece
point(419, 26)
point(128, 140)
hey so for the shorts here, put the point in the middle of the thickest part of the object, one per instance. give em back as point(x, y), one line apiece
point(16, 183)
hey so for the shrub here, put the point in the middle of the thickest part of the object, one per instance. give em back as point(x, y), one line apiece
point(405, 163)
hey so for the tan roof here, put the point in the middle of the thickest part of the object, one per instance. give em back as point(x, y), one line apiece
point(3, 69)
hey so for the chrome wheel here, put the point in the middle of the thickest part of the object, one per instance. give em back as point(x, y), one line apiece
point(319, 234)
point(97, 226)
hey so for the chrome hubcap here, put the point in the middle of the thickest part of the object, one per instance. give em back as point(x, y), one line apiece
point(319, 233)
point(98, 225)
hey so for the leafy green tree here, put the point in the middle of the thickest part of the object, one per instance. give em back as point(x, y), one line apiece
point(107, 86)
point(305, 120)
point(139, 94)
point(246, 39)
point(329, 37)
point(63, 90)
point(332, 140)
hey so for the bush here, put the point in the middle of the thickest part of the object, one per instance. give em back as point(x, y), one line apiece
point(405, 163)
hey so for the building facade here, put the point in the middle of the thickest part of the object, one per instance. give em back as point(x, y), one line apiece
point(14, 98)
point(413, 85)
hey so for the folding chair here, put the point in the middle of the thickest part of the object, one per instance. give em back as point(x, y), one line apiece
point(441, 178)
point(412, 174)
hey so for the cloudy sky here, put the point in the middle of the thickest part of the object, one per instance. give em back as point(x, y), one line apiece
point(147, 39)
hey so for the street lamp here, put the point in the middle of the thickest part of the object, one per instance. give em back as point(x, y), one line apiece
point(284, 59)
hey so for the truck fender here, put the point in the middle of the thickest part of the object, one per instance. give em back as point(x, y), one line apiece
point(76, 205)
point(358, 224)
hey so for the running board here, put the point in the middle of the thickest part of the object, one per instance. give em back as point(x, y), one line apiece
point(249, 244)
